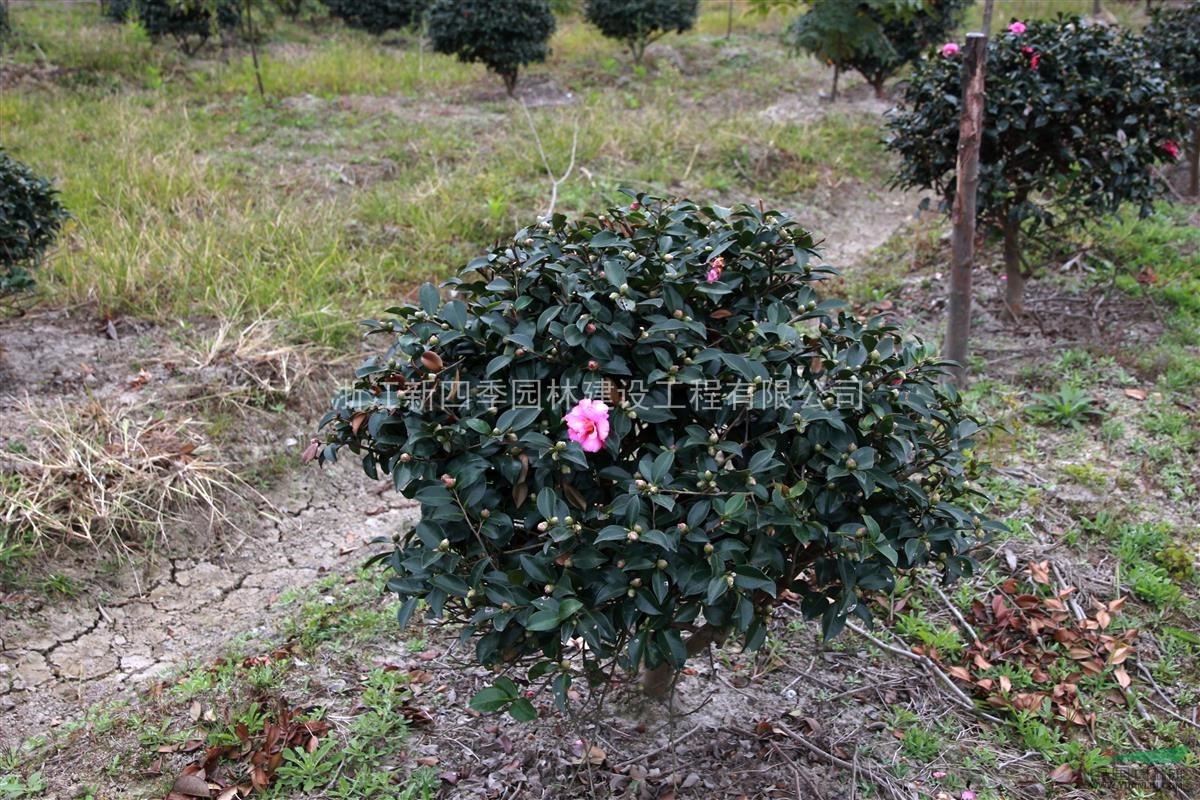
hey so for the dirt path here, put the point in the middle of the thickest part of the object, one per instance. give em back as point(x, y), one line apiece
point(137, 619)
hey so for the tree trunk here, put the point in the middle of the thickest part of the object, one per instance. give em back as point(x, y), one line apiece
point(877, 85)
point(1194, 184)
point(970, 131)
point(729, 21)
point(657, 681)
point(1014, 291)
point(833, 92)
point(251, 36)
point(510, 82)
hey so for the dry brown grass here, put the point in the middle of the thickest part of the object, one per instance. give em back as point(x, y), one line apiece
point(111, 477)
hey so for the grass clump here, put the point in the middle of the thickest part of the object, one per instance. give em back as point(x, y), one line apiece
point(107, 478)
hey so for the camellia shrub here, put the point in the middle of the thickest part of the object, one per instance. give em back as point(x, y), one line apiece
point(643, 429)
point(378, 16)
point(1076, 118)
point(189, 22)
point(873, 37)
point(1172, 39)
point(31, 217)
point(638, 23)
point(503, 35)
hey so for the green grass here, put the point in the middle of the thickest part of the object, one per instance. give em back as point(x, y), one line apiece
point(192, 197)
point(337, 629)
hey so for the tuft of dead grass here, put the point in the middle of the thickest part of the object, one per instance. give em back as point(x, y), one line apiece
point(259, 359)
point(110, 477)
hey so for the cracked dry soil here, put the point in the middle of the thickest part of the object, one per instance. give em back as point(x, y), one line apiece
point(188, 590)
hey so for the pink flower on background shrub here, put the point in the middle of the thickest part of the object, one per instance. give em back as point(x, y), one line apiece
point(1172, 148)
point(1034, 56)
point(587, 423)
point(715, 269)
point(949, 49)
point(1017, 28)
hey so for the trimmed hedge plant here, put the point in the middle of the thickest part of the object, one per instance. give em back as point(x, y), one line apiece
point(503, 35)
point(709, 436)
point(1077, 117)
point(31, 217)
point(378, 16)
point(638, 23)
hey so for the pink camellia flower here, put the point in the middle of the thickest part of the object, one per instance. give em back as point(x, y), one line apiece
point(949, 49)
point(968, 794)
point(587, 423)
point(1034, 56)
point(715, 269)
point(634, 206)
point(1017, 28)
point(1171, 147)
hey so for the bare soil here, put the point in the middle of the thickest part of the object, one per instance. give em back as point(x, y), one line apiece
point(182, 594)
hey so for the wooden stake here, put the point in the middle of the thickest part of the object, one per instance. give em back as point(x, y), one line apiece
point(970, 130)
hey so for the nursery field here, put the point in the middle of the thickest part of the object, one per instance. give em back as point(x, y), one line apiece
point(182, 594)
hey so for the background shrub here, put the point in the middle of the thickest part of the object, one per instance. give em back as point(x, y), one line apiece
point(503, 35)
point(907, 36)
point(637, 23)
point(874, 37)
point(1077, 117)
point(301, 9)
point(695, 504)
point(378, 16)
point(117, 10)
point(189, 22)
point(30, 220)
point(1172, 39)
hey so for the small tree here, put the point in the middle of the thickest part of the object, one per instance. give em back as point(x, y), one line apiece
point(645, 426)
point(1076, 117)
point(189, 22)
point(874, 37)
point(378, 16)
point(1173, 38)
point(31, 217)
point(503, 35)
point(637, 23)
point(908, 36)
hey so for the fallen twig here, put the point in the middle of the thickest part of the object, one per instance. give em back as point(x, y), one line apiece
point(958, 694)
point(537, 140)
point(953, 609)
